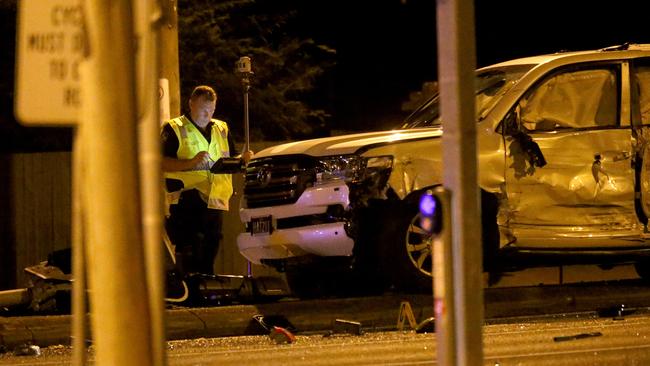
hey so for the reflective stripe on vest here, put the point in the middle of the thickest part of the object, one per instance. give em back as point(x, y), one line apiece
point(214, 189)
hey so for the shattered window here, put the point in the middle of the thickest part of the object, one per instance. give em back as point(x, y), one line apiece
point(643, 89)
point(578, 99)
point(490, 85)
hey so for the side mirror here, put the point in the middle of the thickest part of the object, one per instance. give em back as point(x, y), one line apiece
point(510, 125)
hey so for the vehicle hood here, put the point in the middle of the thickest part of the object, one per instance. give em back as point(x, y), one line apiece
point(348, 144)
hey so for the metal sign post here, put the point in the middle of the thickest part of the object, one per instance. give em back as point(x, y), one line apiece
point(147, 26)
point(244, 68)
point(456, 67)
point(443, 287)
point(119, 301)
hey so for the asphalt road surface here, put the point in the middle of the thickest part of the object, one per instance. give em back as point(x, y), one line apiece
point(509, 337)
point(587, 340)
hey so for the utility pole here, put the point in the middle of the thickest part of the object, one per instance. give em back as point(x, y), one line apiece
point(169, 54)
point(121, 313)
point(456, 68)
point(79, 235)
point(148, 16)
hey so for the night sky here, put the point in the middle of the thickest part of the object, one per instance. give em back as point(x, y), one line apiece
point(387, 48)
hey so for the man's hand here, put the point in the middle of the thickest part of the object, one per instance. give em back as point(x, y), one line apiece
point(247, 156)
point(178, 165)
point(202, 157)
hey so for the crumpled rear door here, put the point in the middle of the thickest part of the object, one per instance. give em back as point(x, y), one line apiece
point(569, 176)
point(640, 94)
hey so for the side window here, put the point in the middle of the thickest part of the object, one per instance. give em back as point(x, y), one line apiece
point(641, 85)
point(574, 99)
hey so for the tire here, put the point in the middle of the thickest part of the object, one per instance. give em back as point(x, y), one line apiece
point(407, 250)
point(490, 233)
point(368, 276)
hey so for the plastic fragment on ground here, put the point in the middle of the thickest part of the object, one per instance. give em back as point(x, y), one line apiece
point(27, 350)
point(577, 336)
point(267, 322)
point(281, 335)
point(428, 325)
point(347, 326)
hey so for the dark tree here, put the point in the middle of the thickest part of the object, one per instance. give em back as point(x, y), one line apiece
point(213, 34)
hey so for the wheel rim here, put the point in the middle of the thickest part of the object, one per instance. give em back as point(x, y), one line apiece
point(418, 247)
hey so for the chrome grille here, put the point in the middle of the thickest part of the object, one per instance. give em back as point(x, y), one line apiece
point(278, 180)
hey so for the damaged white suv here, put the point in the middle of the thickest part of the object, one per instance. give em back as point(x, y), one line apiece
point(563, 171)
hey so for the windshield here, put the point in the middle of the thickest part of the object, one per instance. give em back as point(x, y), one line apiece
point(490, 85)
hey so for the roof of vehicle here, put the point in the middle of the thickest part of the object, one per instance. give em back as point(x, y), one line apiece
point(621, 51)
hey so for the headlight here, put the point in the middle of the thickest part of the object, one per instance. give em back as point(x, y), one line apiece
point(379, 162)
point(350, 168)
point(343, 167)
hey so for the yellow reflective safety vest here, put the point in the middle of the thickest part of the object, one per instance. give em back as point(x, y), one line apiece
point(214, 189)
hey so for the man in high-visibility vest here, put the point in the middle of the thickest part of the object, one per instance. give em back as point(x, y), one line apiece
point(195, 197)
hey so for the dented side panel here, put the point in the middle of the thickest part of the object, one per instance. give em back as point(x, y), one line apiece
point(418, 164)
point(640, 94)
point(643, 146)
point(585, 189)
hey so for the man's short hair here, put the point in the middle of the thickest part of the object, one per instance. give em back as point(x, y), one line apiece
point(203, 91)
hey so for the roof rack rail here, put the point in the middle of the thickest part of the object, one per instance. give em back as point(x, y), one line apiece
point(620, 47)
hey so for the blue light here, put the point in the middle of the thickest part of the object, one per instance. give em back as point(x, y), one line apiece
point(427, 204)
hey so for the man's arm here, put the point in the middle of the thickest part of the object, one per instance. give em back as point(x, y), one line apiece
point(170, 163)
point(246, 156)
point(175, 165)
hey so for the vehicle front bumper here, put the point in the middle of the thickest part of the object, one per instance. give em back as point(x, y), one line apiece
point(324, 239)
point(320, 240)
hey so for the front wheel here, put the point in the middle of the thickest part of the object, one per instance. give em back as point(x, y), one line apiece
point(407, 250)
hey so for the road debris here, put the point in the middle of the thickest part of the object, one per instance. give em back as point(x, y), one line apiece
point(342, 326)
point(281, 336)
point(577, 336)
point(428, 325)
point(268, 322)
point(27, 350)
point(347, 327)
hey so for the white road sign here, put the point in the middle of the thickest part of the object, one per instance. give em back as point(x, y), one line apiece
point(50, 46)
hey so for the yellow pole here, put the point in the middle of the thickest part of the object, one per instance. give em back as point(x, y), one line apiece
point(78, 255)
point(117, 280)
point(148, 15)
point(443, 285)
point(456, 67)
point(169, 54)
